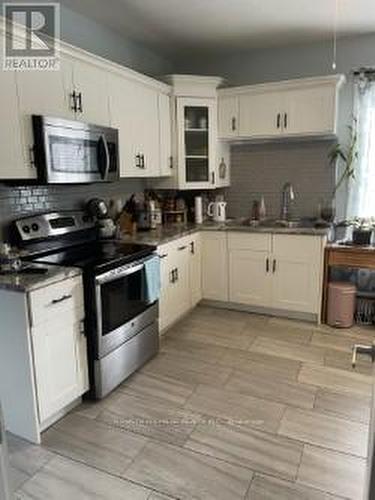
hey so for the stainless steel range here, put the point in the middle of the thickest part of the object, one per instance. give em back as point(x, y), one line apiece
point(121, 283)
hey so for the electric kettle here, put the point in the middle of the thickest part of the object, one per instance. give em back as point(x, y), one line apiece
point(217, 210)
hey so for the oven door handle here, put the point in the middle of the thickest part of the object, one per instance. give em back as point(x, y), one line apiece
point(103, 165)
point(112, 276)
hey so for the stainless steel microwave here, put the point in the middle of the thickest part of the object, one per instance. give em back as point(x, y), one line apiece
point(70, 152)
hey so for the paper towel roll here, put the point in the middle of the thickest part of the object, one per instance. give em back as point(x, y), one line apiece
point(198, 210)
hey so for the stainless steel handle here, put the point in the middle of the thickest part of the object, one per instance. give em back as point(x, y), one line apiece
point(274, 266)
point(119, 273)
point(369, 350)
point(103, 140)
point(61, 299)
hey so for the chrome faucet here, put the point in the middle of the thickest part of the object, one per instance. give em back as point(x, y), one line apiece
point(287, 199)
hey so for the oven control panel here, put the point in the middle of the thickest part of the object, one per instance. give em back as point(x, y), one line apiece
point(53, 224)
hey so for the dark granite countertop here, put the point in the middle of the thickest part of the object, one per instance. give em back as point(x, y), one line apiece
point(167, 233)
point(19, 282)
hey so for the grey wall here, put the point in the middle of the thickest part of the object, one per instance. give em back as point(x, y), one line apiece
point(258, 170)
point(86, 33)
point(282, 63)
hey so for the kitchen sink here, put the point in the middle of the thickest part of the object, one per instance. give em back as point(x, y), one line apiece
point(270, 223)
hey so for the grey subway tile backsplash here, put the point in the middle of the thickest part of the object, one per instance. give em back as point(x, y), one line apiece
point(16, 201)
point(263, 169)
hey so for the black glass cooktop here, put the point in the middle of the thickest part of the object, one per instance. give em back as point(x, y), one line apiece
point(97, 255)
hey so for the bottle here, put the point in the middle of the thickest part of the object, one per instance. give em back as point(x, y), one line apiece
point(262, 209)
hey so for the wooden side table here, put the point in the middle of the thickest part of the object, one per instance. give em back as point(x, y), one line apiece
point(345, 256)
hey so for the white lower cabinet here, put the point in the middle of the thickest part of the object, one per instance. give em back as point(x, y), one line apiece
point(215, 265)
point(59, 346)
point(195, 268)
point(279, 272)
point(59, 353)
point(180, 278)
point(297, 277)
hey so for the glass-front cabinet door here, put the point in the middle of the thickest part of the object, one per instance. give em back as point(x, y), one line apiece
point(196, 146)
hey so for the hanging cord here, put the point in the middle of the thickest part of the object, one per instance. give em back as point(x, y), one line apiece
point(335, 27)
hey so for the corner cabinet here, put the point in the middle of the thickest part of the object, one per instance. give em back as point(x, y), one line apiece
point(181, 287)
point(199, 160)
point(196, 131)
point(306, 107)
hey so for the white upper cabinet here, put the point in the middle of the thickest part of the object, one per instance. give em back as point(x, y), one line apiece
point(228, 117)
point(260, 114)
point(195, 152)
point(90, 83)
point(13, 165)
point(196, 125)
point(165, 135)
point(310, 111)
point(304, 107)
point(134, 111)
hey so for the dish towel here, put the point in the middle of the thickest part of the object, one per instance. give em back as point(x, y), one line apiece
point(152, 279)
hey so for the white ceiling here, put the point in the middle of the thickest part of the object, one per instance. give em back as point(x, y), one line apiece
point(172, 25)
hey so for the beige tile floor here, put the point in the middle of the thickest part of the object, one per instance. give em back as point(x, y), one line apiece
point(235, 406)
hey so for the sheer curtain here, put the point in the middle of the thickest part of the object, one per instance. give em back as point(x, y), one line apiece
point(361, 194)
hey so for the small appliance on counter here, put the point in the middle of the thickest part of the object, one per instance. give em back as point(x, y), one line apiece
point(217, 210)
point(98, 209)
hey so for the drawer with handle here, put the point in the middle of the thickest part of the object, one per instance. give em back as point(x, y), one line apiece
point(55, 299)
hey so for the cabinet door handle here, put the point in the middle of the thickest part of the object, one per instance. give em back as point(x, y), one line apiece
point(79, 99)
point(212, 177)
point(171, 162)
point(171, 276)
point(192, 248)
point(274, 266)
point(82, 329)
point(233, 124)
point(182, 248)
point(61, 299)
point(286, 120)
point(177, 274)
point(73, 101)
point(32, 155)
point(278, 120)
point(138, 161)
point(143, 161)
point(267, 265)
point(164, 256)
